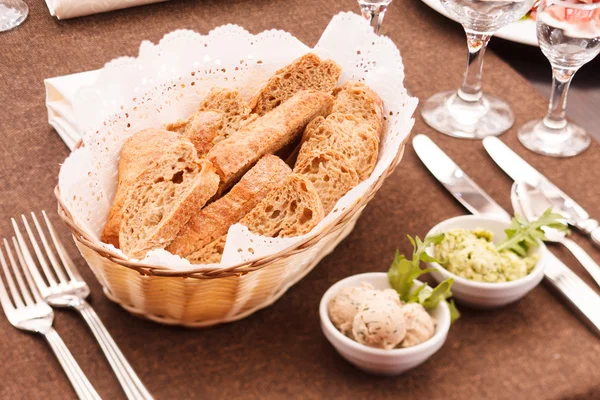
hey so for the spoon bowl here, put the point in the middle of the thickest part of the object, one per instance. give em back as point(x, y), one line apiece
point(531, 202)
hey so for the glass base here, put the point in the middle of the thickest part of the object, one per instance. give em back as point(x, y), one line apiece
point(446, 112)
point(12, 14)
point(564, 142)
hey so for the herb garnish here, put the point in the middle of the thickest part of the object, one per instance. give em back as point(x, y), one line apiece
point(403, 272)
point(523, 235)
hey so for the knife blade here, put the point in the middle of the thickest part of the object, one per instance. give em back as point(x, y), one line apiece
point(519, 170)
point(580, 296)
point(471, 196)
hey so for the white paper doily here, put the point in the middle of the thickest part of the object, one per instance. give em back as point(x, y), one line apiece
point(168, 80)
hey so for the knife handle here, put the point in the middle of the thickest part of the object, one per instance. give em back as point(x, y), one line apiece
point(592, 228)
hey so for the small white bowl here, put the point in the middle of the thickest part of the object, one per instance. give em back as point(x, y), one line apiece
point(486, 294)
point(380, 361)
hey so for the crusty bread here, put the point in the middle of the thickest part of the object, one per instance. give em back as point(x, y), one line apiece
point(210, 253)
point(139, 152)
point(164, 198)
point(346, 134)
point(359, 100)
point(230, 103)
point(214, 220)
point(291, 210)
point(235, 155)
point(306, 72)
point(203, 129)
point(178, 126)
point(234, 111)
point(331, 174)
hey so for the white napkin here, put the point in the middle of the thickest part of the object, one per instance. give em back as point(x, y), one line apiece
point(60, 94)
point(64, 9)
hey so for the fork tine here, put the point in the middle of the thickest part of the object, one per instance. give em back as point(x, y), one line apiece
point(24, 292)
point(49, 253)
point(7, 305)
point(28, 260)
point(36, 248)
point(62, 253)
point(27, 272)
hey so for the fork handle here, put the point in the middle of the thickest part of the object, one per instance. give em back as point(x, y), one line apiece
point(584, 258)
point(131, 383)
point(81, 384)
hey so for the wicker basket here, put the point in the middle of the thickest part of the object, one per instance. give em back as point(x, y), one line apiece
point(212, 295)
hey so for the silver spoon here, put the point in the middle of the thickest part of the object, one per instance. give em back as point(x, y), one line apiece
point(528, 201)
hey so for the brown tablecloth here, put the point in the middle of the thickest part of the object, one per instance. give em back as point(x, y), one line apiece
point(535, 349)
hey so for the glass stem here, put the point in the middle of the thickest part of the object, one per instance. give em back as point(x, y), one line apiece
point(557, 110)
point(470, 90)
point(374, 13)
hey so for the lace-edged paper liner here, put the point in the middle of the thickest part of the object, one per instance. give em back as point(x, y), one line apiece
point(167, 81)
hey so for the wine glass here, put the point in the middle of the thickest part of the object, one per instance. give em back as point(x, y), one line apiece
point(12, 13)
point(569, 36)
point(374, 11)
point(468, 113)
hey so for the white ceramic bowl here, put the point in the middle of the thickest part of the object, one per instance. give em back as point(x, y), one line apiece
point(486, 294)
point(380, 361)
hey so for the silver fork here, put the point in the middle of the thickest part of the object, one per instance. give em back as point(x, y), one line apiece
point(70, 290)
point(28, 311)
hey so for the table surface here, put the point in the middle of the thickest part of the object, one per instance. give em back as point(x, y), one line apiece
point(534, 349)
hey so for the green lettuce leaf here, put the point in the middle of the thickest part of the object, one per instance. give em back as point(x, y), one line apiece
point(439, 293)
point(403, 272)
point(454, 313)
point(523, 235)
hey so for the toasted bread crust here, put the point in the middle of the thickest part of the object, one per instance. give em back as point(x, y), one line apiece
point(203, 130)
point(139, 152)
point(293, 209)
point(235, 155)
point(306, 72)
point(331, 173)
point(214, 220)
point(359, 100)
point(164, 198)
point(346, 134)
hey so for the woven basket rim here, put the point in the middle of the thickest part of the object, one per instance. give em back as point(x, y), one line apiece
point(217, 272)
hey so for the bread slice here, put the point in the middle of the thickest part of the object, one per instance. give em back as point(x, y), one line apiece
point(331, 174)
point(210, 253)
point(203, 130)
point(235, 155)
point(345, 134)
point(228, 103)
point(291, 210)
point(359, 100)
point(306, 72)
point(214, 220)
point(139, 153)
point(178, 126)
point(164, 198)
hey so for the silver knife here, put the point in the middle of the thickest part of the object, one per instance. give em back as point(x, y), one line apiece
point(585, 300)
point(519, 170)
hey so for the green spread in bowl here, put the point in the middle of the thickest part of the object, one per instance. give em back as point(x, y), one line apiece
point(472, 255)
